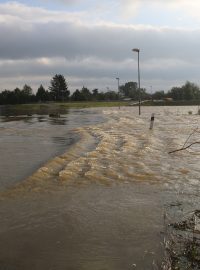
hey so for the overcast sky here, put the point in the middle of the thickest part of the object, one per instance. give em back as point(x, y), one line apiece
point(90, 42)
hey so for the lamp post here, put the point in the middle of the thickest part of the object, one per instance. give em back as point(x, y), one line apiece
point(151, 92)
point(138, 51)
point(118, 90)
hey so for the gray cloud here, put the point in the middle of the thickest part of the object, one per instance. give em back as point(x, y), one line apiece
point(106, 42)
point(43, 43)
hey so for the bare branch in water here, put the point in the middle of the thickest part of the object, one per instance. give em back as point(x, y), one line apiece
point(195, 130)
point(183, 148)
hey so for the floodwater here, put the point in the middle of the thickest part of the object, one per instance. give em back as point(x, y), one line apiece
point(99, 204)
point(26, 142)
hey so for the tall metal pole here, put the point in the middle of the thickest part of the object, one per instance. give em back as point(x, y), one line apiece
point(139, 81)
point(151, 93)
point(139, 101)
point(118, 90)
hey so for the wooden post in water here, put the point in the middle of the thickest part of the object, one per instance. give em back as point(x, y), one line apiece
point(152, 121)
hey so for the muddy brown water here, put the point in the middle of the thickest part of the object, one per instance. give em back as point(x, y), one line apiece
point(100, 204)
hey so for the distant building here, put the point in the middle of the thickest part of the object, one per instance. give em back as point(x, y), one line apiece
point(168, 99)
point(126, 99)
point(158, 100)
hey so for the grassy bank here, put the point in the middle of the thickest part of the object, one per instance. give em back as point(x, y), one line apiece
point(54, 108)
point(63, 107)
point(174, 103)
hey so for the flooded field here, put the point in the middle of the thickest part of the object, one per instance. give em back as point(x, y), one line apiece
point(27, 141)
point(103, 199)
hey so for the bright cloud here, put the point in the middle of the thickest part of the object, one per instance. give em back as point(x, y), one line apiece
point(190, 8)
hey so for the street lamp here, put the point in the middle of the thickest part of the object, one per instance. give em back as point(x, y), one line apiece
point(118, 90)
point(138, 51)
point(151, 92)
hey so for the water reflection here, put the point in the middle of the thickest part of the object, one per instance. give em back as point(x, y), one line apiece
point(13, 118)
point(31, 119)
point(42, 119)
point(64, 141)
point(31, 109)
point(58, 121)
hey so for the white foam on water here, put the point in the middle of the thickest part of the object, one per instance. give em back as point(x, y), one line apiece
point(125, 149)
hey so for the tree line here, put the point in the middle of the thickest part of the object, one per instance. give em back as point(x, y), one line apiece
point(58, 91)
point(189, 91)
